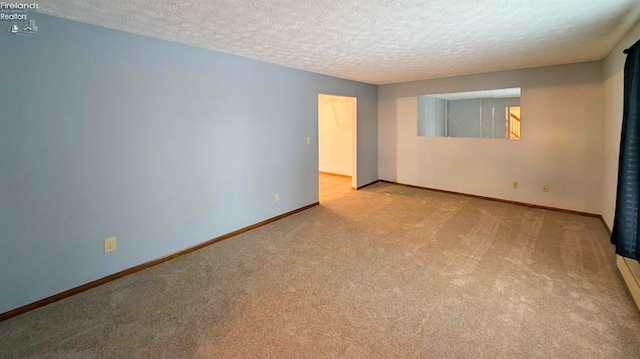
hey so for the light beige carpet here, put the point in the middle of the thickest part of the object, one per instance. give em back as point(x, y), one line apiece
point(385, 272)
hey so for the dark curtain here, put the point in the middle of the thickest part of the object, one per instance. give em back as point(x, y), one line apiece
point(625, 225)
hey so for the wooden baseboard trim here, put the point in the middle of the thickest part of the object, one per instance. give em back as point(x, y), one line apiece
point(604, 223)
point(499, 200)
point(367, 185)
point(143, 266)
point(334, 174)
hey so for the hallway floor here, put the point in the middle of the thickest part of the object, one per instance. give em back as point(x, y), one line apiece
point(333, 186)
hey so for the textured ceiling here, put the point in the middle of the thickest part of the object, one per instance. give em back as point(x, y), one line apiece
point(376, 41)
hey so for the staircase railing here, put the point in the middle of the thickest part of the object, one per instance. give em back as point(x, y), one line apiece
point(514, 126)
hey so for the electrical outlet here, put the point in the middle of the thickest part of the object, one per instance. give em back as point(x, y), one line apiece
point(515, 185)
point(308, 140)
point(277, 197)
point(110, 244)
point(545, 188)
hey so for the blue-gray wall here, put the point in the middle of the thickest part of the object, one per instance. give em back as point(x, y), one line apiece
point(104, 133)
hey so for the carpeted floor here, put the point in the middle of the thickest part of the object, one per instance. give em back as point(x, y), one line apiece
point(384, 272)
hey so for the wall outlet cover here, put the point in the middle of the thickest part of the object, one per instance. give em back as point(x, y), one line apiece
point(110, 244)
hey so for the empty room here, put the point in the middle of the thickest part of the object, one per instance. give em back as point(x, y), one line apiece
point(319, 179)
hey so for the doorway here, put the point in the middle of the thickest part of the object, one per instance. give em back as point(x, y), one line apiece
point(337, 146)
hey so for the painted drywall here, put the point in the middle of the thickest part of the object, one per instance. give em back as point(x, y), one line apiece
point(336, 116)
point(613, 70)
point(163, 145)
point(561, 143)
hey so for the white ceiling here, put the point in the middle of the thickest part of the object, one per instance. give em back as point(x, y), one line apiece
point(376, 41)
